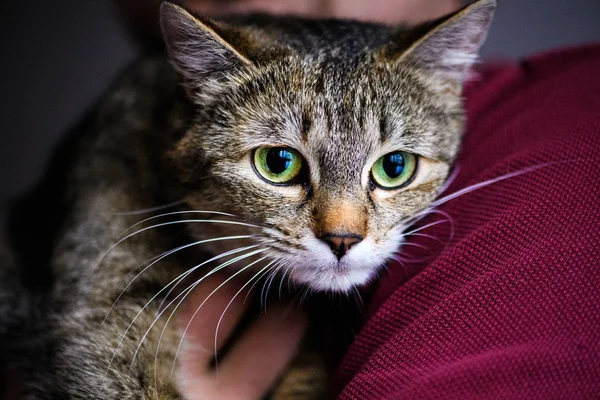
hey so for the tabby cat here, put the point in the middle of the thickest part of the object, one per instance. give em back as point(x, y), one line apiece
point(282, 144)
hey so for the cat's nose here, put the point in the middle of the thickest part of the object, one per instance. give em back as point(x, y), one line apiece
point(340, 244)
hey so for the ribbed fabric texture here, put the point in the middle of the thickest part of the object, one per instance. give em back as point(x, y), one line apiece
point(508, 307)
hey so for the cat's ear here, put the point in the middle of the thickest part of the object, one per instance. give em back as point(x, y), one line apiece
point(199, 49)
point(450, 46)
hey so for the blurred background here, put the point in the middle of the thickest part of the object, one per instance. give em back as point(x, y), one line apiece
point(59, 56)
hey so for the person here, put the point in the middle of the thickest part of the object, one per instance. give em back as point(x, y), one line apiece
point(505, 302)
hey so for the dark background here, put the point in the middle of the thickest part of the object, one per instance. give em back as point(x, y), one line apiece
point(59, 56)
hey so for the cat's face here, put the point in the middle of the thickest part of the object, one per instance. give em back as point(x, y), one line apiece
point(330, 155)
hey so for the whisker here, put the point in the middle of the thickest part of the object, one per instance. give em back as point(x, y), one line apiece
point(471, 188)
point(281, 281)
point(416, 245)
point(425, 227)
point(418, 216)
point(167, 224)
point(228, 253)
point(256, 276)
point(181, 278)
point(404, 258)
point(202, 304)
point(267, 285)
point(415, 218)
point(400, 261)
point(442, 200)
point(189, 221)
point(166, 254)
point(185, 294)
point(223, 214)
point(154, 297)
point(148, 210)
point(449, 218)
point(255, 282)
point(187, 291)
point(427, 236)
point(488, 182)
point(450, 180)
point(304, 296)
point(361, 304)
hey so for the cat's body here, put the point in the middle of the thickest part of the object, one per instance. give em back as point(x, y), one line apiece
point(340, 95)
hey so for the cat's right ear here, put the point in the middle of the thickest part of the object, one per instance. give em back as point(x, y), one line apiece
point(199, 52)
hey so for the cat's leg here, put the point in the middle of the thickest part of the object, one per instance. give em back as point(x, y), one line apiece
point(101, 337)
point(95, 352)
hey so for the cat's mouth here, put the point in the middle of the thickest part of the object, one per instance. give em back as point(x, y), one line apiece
point(340, 278)
point(322, 270)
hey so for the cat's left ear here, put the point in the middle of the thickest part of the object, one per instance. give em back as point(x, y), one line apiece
point(202, 51)
point(450, 46)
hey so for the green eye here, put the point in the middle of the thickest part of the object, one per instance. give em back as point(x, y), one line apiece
point(394, 170)
point(279, 165)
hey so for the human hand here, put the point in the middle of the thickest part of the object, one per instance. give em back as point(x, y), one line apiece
point(253, 363)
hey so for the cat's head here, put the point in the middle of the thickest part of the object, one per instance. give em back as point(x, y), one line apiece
point(329, 143)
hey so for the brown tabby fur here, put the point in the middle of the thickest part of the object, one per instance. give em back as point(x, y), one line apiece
point(342, 93)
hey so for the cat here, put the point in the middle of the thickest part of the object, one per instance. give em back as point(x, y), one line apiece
point(291, 146)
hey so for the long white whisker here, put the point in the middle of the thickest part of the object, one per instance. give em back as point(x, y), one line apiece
point(449, 218)
point(166, 254)
point(282, 279)
point(425, 227)
point(360, 299)
point(184, 221)
point(228, 253)
point(167, 224)
point(256, 282)
point(415, 218)
point(267, 285)
point(177, 213)
point(202, 304)
point(259, 273)
point(147, 210)
point(400, 261)
point(181, 278)
point(416, 245)
point(187, 292)
point(422, 214)
point(450, 180)
point(427, 236)
point(488, 182)
point(184, 294)
point(153, 298)
point(305, 295)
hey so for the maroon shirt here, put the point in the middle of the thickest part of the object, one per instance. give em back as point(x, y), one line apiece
point(509, 305)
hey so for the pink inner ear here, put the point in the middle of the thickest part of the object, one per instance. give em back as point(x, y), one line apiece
point(195, 49)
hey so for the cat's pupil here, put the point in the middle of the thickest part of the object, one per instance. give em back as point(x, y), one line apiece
point(279, 160)
point(393, 164)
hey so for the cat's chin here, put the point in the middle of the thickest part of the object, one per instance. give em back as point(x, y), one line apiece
point(339, 280)
point(321, 271)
